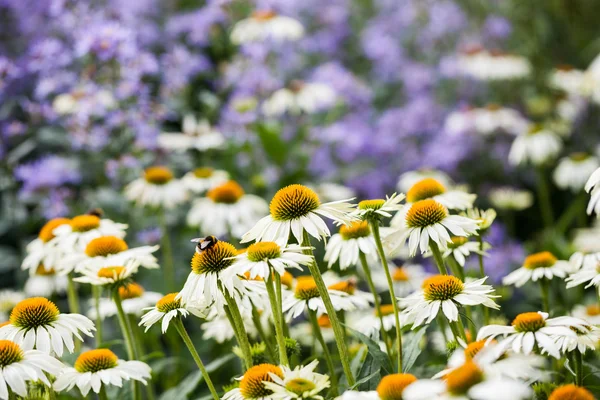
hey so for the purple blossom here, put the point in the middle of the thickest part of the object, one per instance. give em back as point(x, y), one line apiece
point(354, 91)
point(149, 236)
point(497, 27)
point(54, 204)
point(46, 173)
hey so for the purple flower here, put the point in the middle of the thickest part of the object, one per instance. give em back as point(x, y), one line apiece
point(46, 173)
point(54, 204)
point(354, 91)
point(149, 236)
point(106, 40)
point(497, 27)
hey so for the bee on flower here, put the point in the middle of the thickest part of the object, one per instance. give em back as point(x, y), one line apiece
point(158, 188)
point(264, 25)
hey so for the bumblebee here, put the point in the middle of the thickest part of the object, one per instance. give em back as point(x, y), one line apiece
point(98, 212)
point(205, 243)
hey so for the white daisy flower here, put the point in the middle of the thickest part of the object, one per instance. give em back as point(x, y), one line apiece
point(585, 339)
point(533, 329)
point(567, 79)
point(43, 250)
point(507, 198)
point(37, 323)
point(300, 98)
point(590, 313)
point(446, 293)
point(349, 285)
point(95, 369)
point(407, 278)
point(226, 209)
point(329, 191)
point(574, 171)
point(8, 300)
point(485, 218)
point(298, 383)
point(460, 248)
point(410, 178)
point(266, 25)
point(252, 384)
point(378, 208)
point(369, 324)
point(304, 333)
point(487, 65)
point(586, 274)
point(535, 267)
point(588, 249)
point(218, 327)
point(157, 188)
point(485, 121)
point(428, 220)
point(167, 308)
point(45, 283)
point(19, 366)
point(108, 275)
point(306, 295)
point(75, 236)
point(347, 245)
point(356, 395)
point(593, 187)
point(201, 180)
point(134, 300)
point(295, 209)
point(536, 146)
point(195, 134)
point(467, 382)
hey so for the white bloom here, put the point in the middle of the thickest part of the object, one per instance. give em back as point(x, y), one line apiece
point(252, 384)
point(97, 368)
point(584, 275)
point(201, 180)
point(75, 236)
point(134, 300)
point(586, 239)
point(567, 79)
point(20, 366)
point(379, 207)
point(194, 134)
point(107, 275)
point(298, 383)
point(407, 278)
point(295, 209)
point(485, 121)
point(347, 245)
point(37, 323)
point(590, 313)
point(261, 258)
point(300, 98)
point(531, 329)
point(461, 248)
point(218, 327)
point(536, 146)
point(507, 198)
point(167, 308)
point(592, 186)
point(303, 332)
point(157, 188)
point(226, 210)
point(266, 25)
point(446, 293)
point(493, 66)
point(8, 300)
point(585, 339)
point(43, 250)
point(355, 395)
point(591, 80)
point(369, 323)
point(410, 178)
point(573, 172)
point(535, 267)
point(45, 285)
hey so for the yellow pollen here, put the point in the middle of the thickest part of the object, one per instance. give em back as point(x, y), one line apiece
point(385, 309)
point(228, 193)
point(214, 259)
point(263, 15)
point(84, 223)
point(33, 312)
point(95, 360)
point(111, 272)
point(10, 353)
point(158, 175)
point(400, 275)
point(545, 259)
point(306, 288)
point(592, 310)
point(425, 189)
point(105, 246)
point(46, 232)
point(355, 230)
point(252, 386)
point(392, 386)
point(41, 270)
point(131, 291)
point(263, 251)
point(528, 322)
point(324, 321)
point(204, 172)
point(348, 286)
point(460, 380)
point(442, 287)
point(293, 201)
point(425, 213)
point(300, 386)
point(168, 303)
point(457, 241)
point(287, 280)
point(374, 204)
point(571, 392)
point(474, 348)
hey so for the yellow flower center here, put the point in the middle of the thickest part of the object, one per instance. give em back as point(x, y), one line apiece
point(111, 272)
point(392, 386)
point(228, 193)
point(571, 392)
point(131, 291)
point(474, 348)
point(425, 213)
point(425, 189)
point(10, 353)
point(385, 309)
point(263, 15)
point(46, 232)
point(460, 380)
point(41, 270)
point(300, 386)
point(348, 286)
point(457, 241)
point(263, 251)
point(95, 360)
point(442, 287)
point(400, 275)
point(545, 259)
point(168, 303)
point(324, 321)
point(579, 157)
point(158, 175)
point(592, 310)
point(287, 280)
point(105, 246)
point(528, 322)
point(355, 230)
point(214, 259)
point(252, 386)
point(33, 312)
point(373, 205)
point(204, 172)
point(84, 223)
point(306, 288)
point(293, 201)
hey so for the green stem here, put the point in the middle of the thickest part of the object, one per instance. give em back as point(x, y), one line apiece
point(456, 268)
point(367, 270)
point(97, 292)
point(190, 345)
point(51, 393)
point(544, 198)
point(136, 334)
point(261, 332)
point(437, 255)
point(578, 367)
point(331, 313)
point(127, 335)
point(573, 212)
point(275, 307)
point(167, 252)
point(73, 300)
point(544, 286)
point(241, 335)
point(375, 229)
point(102, 394)
point(312, 316)
point(459, 330)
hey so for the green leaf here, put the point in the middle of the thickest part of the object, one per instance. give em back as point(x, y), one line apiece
point(272, 143)
point(411, 348)
point(379, 356)
point(369, 375)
